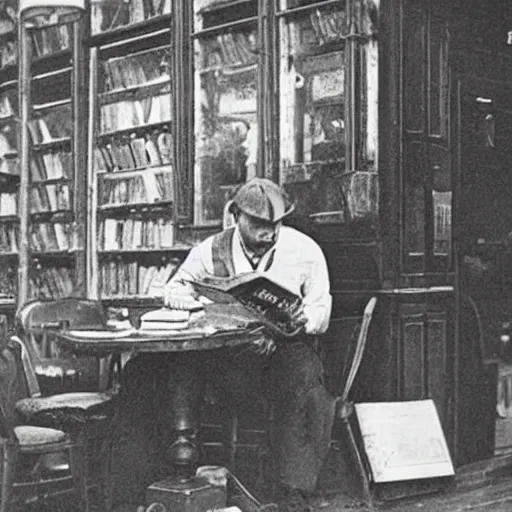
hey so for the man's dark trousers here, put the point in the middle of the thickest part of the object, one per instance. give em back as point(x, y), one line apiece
point(289, 382)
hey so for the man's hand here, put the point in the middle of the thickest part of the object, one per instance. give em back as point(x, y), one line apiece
point(298, 317)
point(178, 296)
point(264, 345)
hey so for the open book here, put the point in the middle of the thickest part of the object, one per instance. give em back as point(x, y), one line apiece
point(269, 301)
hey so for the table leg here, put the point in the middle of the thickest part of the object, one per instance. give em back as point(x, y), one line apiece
point(186, 386)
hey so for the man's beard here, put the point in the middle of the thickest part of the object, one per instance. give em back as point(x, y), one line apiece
point(260, 248)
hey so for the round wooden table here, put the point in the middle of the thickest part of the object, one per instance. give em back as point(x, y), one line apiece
point(221, 326)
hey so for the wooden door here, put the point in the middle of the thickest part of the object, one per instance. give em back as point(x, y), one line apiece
point(483, 230)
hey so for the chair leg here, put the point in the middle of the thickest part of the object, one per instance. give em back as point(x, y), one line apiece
point(106, 481)
point(78, 470)
point(8, 472)
point(233, 442)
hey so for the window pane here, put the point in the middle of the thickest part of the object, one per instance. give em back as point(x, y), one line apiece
point(48, 40)
point(441, 202)
point(51, 123)
point(226, 128)
point(312, 106)
point(135, 90)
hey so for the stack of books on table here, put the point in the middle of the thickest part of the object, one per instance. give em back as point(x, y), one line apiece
point(166, 319)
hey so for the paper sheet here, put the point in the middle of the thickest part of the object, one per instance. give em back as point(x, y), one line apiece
point(404, 440)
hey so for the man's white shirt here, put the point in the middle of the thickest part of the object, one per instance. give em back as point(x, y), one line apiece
point(295, 260)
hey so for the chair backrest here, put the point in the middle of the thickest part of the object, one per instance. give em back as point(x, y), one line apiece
point(33, 321)
point(26, 367)
point(77, 312)
point(360, 345)
point(13, 386)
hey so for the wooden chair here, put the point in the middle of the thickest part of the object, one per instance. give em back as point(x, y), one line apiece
point(355, 356)
point(85, 415)
point(35, 323)
point(28, 471)
point(357, 482)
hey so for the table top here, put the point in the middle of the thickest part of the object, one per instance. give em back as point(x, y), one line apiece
point(221, 325)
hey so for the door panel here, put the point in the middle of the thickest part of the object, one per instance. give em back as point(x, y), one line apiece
point(483, 227)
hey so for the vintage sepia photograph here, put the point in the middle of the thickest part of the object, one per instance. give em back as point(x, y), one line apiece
point(255, 255)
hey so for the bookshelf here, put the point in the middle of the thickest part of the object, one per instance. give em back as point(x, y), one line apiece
point(139, 122)
point(9, 182)
point(51, 185)
point(9, 165)
point(132, 200)
point(226, 62)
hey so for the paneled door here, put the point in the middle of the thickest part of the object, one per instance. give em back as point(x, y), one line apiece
point(483, 230)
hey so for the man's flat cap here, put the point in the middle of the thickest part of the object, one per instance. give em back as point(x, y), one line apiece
point(263, 199)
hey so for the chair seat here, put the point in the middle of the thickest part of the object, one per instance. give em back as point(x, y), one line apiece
point(81, 404)
point(29, 436)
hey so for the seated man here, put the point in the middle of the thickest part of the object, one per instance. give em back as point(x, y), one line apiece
point(290, 377)
point(283, 373)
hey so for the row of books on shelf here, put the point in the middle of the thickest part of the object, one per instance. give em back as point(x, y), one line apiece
point(52, 282)
point(134, 152)
point(7, 103)
point(119, 278)
point(8, 204)
point(146, 187)
point(136, 234)
point(54, 124)
point(328, 26)
point(45, 41)
point(229, 49)
point(9, 279)
point(9, 165)
point(8, 141)
point(50, 198)
point(8, 19)
point(9, 238)
point(51, 236)
point(142, 68)
point(108, 15)
point(127, 114)
point(51, 165)
point(48, 40)
point(8, 53)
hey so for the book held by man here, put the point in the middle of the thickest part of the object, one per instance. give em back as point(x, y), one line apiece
point(269, 301)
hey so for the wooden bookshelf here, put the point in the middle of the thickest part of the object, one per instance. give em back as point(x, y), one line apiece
point(132, 201)
point(52, 263)
point(9, 183)
point(183, 90)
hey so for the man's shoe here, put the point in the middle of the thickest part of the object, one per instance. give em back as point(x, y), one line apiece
point(292, 500)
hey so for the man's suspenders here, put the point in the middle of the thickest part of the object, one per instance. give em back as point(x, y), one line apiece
point(222, 253)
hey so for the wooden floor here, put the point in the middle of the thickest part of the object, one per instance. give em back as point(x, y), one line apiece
point(496, 497)
point(483, 486)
